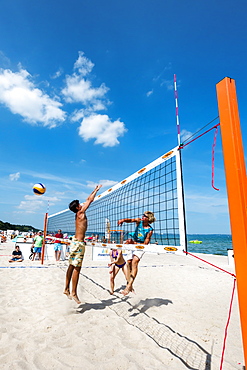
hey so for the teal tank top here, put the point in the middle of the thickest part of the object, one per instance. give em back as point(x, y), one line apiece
point(140, 233)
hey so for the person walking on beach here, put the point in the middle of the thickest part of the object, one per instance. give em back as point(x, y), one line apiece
point(16, 255)
point(117, 262)
point(58, 245)
point(37, 245)
point(77, 247)
point(142, 234)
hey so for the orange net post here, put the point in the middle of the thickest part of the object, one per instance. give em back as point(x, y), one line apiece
point(235, 171)
point(43, 244)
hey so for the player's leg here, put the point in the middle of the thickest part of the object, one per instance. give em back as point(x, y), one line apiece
point(133, 273)
point(112, 278)
point(67, 281)
point(75, 279)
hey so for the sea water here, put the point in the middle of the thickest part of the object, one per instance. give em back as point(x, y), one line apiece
point(211, 243)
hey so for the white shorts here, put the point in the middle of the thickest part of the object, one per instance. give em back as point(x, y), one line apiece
point(131, 254)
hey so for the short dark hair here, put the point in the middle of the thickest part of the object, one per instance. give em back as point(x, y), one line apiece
point(73, 205)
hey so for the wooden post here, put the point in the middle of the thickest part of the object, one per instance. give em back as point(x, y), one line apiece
point(43, 244)
point(236, 188)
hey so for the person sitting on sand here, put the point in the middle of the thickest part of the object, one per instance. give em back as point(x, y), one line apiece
point(142, 234)
point(77, 246)
point(117, 262)
point(16, 255)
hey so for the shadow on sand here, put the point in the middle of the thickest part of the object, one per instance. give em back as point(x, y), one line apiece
point(189, 352)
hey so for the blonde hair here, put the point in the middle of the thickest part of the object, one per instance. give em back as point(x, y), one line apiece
point(150, 216)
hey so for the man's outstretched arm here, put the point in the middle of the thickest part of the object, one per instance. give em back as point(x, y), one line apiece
point(90, 198)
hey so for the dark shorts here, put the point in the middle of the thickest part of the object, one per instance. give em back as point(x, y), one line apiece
point(120, 266)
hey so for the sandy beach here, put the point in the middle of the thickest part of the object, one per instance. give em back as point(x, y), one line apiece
point(176, 320)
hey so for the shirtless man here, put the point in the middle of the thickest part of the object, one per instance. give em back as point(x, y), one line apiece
point(77, 247)
point(141, 235)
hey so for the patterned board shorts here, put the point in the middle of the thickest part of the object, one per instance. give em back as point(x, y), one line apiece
point(77, 251)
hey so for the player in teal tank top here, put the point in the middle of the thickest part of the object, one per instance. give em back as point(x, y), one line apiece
point(142, 234)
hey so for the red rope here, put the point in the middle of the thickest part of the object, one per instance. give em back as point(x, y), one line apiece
point(227, 324)
point(230, 309)
point(219, 268)
point(191, 141)
point(214, 145)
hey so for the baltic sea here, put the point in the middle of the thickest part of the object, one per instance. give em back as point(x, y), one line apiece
point(211, 243)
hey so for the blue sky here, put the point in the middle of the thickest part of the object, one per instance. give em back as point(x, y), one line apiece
point(86, 97)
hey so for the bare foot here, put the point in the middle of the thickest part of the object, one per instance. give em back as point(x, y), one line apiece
point(111, 292)
point(67, 293)
point(125, 291)
point(76, 299)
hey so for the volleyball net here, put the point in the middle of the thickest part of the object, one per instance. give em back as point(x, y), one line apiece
point(156, 187)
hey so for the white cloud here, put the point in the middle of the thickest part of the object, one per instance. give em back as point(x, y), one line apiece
point(19, 94)
point(83, 64)
point(149, 93)
point(48, 176)
point(31, 205)
point(104, 183)
point(168, 83)
point(210, 203)
point(14, 176)
point(4, 60)
point(57, 74)
point(79, 90)
point(101, 128)
point(34, 203)
point(77, 115)
point(41, 197)
point(185, 135)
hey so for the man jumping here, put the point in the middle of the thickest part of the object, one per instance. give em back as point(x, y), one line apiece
point(142, 234)
point(77, 247)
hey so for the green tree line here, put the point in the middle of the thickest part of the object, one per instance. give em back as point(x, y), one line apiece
point(7, 226)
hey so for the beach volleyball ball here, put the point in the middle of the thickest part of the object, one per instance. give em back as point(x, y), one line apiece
point(39, 189)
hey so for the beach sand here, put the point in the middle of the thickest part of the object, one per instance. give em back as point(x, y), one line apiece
point(176, 320)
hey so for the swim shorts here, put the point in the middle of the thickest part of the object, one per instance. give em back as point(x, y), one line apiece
point(77, 251)
point(58, 247)
point(37, 249)
point(136, 253)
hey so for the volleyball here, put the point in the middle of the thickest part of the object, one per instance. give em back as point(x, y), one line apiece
point(39, 189)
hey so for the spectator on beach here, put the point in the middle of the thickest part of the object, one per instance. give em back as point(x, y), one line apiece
point(16, 255)
point(58, 245)
point(142, 234)
point(37, 245)
point(31, 253)
point(77, 246)
point(117, 262)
